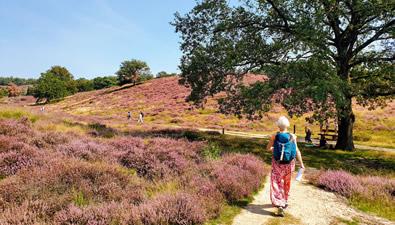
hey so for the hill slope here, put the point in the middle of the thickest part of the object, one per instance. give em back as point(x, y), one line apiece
point(163, 103)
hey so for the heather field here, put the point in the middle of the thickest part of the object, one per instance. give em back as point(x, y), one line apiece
point(368, 193)
point(163, 102)
point(82, 162)
point(56, 177)
point(57, 168)
point(204, 112)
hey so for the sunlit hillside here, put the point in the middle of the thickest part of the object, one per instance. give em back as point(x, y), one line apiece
point(163, 103)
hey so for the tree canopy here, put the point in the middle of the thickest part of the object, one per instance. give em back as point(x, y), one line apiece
point(319, 56)
point(165, 74)
point(63, 74)
point(83, 84)
point(104, 82)
point(131, 70)
point(16, 80)
point(50, 87)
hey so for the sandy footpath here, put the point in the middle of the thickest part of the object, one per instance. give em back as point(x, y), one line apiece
point(307, 205)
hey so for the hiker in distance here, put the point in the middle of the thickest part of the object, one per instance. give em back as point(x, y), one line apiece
point(141, 118)
point(284, 147)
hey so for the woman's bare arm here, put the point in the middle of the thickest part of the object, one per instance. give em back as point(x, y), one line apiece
point(299, 158)
point(298, 154)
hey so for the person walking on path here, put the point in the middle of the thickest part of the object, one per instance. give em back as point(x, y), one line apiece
point(141, 118)
point(308, 135)
point(285, 150)
point(129, 116)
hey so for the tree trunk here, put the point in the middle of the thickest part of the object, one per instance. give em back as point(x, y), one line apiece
point(345, 131)
point(346, 116)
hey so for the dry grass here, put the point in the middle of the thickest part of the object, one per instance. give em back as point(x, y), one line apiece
point(288, 219)
point(163, 102)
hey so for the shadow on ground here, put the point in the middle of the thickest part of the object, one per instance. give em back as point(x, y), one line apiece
point(260, 209)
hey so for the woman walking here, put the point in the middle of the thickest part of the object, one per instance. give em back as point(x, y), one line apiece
point(285, 150)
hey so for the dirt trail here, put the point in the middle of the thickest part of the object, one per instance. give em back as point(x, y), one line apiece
point(316, 141)
point(307, 205)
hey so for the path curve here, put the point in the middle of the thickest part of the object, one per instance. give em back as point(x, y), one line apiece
point(307, 205)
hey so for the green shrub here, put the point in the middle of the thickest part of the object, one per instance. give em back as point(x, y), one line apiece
point(212, 151)
point(104, 82)
point(79, 199)
point(3, 92)
point(83, 84)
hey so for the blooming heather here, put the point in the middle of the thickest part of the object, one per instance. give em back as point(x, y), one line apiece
point(208, 194)
point(237, 176)
point(15, 128)
point(102, 214)
point(64, 178)
point(15, 155)
point(160, 157)
point(30, 212)
point(86, 149)
point(232, 181)
point(96, 182)
point(346, 184)
point(51, 139)
point(180, 208)
point(340, 182)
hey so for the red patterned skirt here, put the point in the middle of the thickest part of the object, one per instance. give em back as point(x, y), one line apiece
point(280, 182)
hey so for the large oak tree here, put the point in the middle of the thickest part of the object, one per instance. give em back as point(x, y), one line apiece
point(131, 71)
point(319, 55)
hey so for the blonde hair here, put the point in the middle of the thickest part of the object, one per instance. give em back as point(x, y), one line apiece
point(283, 123)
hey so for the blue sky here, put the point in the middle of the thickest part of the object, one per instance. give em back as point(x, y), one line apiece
point(89, 37)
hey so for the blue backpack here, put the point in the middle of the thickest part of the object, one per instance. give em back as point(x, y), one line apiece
point(284, 148)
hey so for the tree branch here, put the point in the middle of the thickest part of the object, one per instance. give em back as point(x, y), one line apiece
point(372, 59)
point(375, 37)
point(281, 15)
point(332, 21)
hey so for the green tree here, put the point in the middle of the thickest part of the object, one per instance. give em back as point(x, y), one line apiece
point(165, 74)
point(30, 91)
point(144, 77)
point(83, 84)
point(50, 87)
point(131, 70)
point(3, 92)
point(320, 55)
point(104, 82)
point(16, 80)
point(63, 74)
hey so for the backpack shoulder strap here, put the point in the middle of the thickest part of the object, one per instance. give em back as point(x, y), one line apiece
point(276, 136)
point(290, 137)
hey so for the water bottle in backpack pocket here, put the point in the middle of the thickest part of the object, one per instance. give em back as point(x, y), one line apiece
point(284, 148)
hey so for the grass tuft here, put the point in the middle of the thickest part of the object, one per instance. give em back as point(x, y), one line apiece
point(17, 114)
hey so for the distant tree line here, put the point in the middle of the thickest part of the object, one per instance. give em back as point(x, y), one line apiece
point(57, 82)
point(16, 80)
point(162, 74)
